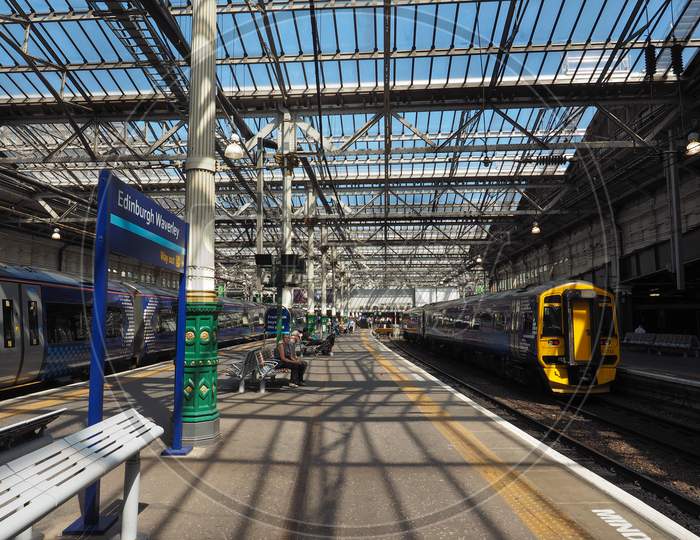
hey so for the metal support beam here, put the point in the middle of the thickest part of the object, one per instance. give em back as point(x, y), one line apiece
point(310, 211)
point(200, 413)
point(674, 204)
point(324, 269)
point(260, 212)
point(287, 145)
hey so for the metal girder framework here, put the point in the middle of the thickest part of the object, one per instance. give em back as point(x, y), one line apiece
point(429, 132)
point(418, 98)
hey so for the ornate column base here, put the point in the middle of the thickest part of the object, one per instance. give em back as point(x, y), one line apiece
point(200, 416)
point(201, 433)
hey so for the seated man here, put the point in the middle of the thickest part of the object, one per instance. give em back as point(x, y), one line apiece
point(303, 364)
point(284, 354)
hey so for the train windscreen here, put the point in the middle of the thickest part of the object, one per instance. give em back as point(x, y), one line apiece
point(552, 321)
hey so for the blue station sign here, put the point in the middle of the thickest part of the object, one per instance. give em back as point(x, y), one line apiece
point(271, 321)
point(142, 229)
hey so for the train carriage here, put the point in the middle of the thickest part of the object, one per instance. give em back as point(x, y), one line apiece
point(565, 333)
point(45, 318)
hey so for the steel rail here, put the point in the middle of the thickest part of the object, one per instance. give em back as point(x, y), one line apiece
point(680, 501)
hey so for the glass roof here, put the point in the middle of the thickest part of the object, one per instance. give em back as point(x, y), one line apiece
point(492, 106)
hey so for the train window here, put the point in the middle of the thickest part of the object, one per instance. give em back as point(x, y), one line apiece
point(66, 323)
point(33, 321)
point(166, 321)
point(222, 320)
point(114, 323)
point(551, 321)
point(553, 299)
point(8, 323)
point(498, 321)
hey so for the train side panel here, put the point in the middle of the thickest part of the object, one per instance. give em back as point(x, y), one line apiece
point(565, 333)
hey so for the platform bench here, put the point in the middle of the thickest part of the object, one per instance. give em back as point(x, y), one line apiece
point(639, 340)
point(683, 343)
point(675, 342)
point(37, 483)
point(241, 368)
point(266, 367)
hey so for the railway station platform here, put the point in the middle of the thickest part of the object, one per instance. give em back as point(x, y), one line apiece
point(372, 447)
point(684, 368)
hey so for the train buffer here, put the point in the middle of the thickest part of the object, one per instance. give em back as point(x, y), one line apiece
point(35, 484)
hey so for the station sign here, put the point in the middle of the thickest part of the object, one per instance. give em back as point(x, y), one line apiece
point(271, 320)
point(140, 228)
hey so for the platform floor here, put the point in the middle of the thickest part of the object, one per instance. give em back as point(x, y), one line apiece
point(678, 366)
point(372, 447)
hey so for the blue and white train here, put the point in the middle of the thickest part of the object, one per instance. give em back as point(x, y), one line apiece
point(45, 321)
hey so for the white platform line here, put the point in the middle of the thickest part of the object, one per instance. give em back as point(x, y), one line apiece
point(630, 501)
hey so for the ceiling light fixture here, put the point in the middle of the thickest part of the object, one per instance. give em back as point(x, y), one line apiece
point(235, 149)
point(56, 234)
point(693, 146)
point(535, 228)
point(479, 259)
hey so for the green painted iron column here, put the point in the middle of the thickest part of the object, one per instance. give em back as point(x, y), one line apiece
point(200, 415)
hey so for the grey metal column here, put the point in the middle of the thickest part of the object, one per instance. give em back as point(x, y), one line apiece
point(342, 293)
point(130, 508)
point(334, 295)
point(324, 269)
point(310, 211)
point(260, 214)
point(200, 414)
point(674, 204)
point(287, 146)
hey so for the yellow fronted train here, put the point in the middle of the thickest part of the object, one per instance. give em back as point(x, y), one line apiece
point(562, 335)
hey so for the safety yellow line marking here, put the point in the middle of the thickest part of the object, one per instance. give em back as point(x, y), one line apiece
point(533, 509)
point(82, 393)
point(74, 395)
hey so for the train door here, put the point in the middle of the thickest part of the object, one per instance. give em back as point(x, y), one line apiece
point(10, 340)
point(32, 333)
point(581, 329)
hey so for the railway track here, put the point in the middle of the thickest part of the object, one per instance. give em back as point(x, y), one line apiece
point(550, 433)
point(680, 436)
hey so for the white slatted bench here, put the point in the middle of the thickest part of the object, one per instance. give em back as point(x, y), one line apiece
point(34, 485)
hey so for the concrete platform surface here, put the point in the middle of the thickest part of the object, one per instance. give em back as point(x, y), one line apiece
point(371, 447)
point(677, 366)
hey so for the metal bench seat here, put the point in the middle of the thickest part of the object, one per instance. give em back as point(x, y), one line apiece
point(240, 368)
point(35, 484)
point(266, 366)
point(645, 340)
point(684, 343)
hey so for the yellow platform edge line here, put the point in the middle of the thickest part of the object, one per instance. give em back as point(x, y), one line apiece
point(538, 514)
